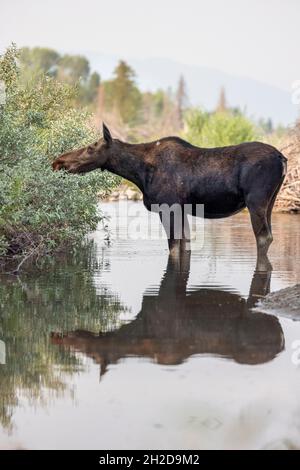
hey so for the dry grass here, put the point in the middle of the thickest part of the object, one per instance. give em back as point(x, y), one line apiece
point(288, 199)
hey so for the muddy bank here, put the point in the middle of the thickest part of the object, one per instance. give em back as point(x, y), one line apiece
point(285, 302)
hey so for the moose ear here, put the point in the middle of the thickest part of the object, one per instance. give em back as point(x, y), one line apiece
point(106, 134)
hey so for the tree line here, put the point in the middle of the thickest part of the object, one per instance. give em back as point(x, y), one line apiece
point(118, 96)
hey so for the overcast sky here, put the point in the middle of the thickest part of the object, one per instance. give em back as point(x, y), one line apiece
point(254, 38)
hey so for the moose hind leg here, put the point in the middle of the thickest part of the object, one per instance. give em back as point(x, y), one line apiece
point(262, 231)
point(258, 204)
point(260, 198)
point(261, 221)
point(272, 202)
point(264, 238)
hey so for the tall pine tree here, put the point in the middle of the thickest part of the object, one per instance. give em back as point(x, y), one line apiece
point(122, 95)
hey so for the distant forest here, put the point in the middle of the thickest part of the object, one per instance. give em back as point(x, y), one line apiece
point(119, 100)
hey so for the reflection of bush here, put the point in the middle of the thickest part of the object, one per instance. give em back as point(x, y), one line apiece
point(62, 298)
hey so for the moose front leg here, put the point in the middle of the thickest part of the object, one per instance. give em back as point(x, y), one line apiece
point(185, 243)
point(176, 226)
point(168, 221)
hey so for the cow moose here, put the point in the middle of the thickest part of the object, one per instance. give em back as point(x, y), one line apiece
point(172, 172)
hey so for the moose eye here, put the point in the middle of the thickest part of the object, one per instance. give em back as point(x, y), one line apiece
point(90, 149)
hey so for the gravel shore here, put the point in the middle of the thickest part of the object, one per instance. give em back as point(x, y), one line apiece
point(285, 302)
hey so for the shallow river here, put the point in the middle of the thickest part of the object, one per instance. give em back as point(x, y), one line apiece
point(115, 346)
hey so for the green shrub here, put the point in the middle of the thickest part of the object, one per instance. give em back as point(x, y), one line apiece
point(41, 210)
point(218, 129)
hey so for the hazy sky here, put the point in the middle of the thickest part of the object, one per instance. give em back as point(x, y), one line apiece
point(255, 38)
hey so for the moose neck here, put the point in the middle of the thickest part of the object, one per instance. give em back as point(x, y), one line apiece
point(128, 161)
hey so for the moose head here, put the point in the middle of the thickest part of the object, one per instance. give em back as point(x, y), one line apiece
point(88, 158)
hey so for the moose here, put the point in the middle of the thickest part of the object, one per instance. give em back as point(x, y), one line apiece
point(173, 172)
point(174, 325)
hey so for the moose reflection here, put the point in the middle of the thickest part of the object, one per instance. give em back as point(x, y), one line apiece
point(175, 325)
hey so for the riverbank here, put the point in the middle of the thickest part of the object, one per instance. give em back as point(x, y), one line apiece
point(284, 302)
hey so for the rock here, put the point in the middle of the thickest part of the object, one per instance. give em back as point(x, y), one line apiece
point(125, 192)
point(285, 302)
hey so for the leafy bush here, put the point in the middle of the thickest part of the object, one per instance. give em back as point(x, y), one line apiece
point(218, 129)
point(41, 210)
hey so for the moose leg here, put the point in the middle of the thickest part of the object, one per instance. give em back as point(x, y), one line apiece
point(176, 226)
point(169, 223)
point(186, 235)
point(260, 286)
point(263, 237)
point(176, 277)
point(260, 201)
point(271, 204)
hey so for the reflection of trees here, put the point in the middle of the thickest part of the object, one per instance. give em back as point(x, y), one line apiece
point(63, 297)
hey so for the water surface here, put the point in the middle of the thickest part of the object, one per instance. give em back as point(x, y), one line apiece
point(118, 347)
